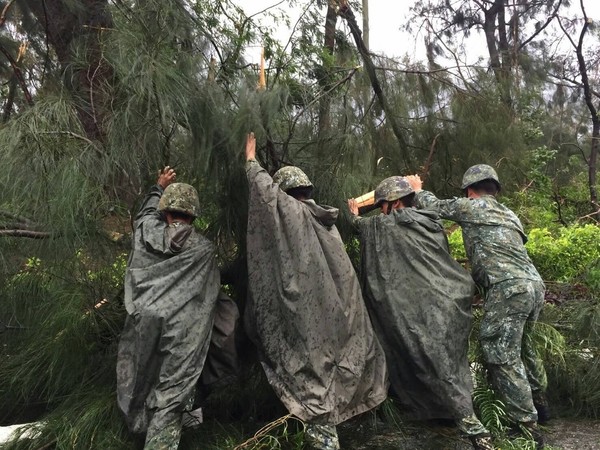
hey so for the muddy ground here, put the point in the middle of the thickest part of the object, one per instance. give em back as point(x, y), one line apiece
point(560, 434)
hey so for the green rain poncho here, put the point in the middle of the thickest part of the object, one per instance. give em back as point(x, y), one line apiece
point(171, 289)
point(306, 312)
point(419, 299)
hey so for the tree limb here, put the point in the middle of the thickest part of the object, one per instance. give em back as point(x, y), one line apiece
point(4, 12)
point(18, 74)
point(25, 233)
point(346, 12)
point(573, 82)
point(540, 29)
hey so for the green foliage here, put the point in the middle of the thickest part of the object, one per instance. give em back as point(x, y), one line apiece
point(89, 418)
point(570, 255)
point(69, 317)
point(554, 192)
point(489, 409)
point(391, 413)
point(165, 102)
point(457, 248)
point(574, 379)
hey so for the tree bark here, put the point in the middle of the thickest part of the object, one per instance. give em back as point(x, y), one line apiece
point(366, 30)
point(593, 159)
point(82, 23)
point(325, 72)
point(498, 49)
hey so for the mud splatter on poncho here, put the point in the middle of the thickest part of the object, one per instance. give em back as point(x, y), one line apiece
point(419, 299)
point(306, 311)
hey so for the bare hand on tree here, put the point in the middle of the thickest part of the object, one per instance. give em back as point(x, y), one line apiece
point(353, 206)
point(415, 182)
point(250, 147)
point(166, 176)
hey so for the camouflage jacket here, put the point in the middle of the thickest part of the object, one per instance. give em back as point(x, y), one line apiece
point(306, 312)
point(493, 237)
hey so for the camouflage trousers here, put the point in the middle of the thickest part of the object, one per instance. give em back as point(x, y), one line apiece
point(471, 426)
point(164, 438)
point(321, 437)
point(515, 369)
point(164, 430)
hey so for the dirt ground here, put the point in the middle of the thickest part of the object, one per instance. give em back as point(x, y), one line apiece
point(560, 434)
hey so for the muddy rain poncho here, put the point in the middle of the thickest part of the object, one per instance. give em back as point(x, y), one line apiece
point(306, 311)
point(419, 299)
point(171, 288)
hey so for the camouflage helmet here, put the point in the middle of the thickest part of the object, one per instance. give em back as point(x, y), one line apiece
point(392, 189)
point(291, 177)
point(477, 173)
point(180, 197)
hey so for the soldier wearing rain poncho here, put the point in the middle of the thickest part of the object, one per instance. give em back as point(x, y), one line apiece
point(419, 299)
point(171, 289)
point(306, 312)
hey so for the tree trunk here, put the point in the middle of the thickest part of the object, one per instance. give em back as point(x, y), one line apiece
point(366, 31)
point(347, 13)
point(69, 24)
point(587, 92)
point(498, 48)
point(324, 73)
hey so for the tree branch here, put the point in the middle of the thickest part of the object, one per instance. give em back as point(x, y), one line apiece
point(4, 12)
point(573, 82)
point(25, 233)
point(19, 219)
point(18, 74)
point(346, 12)
point(551, 17)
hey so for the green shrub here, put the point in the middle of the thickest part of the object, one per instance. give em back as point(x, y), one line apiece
point(457, 248)
point(570, 255)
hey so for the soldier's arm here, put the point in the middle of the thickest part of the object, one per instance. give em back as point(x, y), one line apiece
point(149, 206)
point(260, 182)
point(355, 218)
point(451, 209)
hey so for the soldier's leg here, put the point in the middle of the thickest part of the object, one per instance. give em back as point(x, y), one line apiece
point(471, 426)
point(181, 354)
point(164, 436)
point(221, 366)
point(507, 308)
point(321, 437)
point(534, 366)
point(479, 436)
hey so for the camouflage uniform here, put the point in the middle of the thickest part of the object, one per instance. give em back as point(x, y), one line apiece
point(514, 292)
point(305, 311)
point(171, 289)
point(419, 300)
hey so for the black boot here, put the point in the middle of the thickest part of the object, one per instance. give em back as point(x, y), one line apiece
point(543, 412)
point(482, 442)
point(528, 430)
point(541, 405)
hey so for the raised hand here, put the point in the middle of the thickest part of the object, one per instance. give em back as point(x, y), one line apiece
point(250, 147)
point(166, 176)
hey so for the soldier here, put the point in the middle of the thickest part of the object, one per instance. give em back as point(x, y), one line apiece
point(171, 289)
point(306, 312)
point(514, 292)
point(419, 299)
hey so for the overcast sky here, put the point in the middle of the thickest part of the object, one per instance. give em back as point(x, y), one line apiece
point(386, 19)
